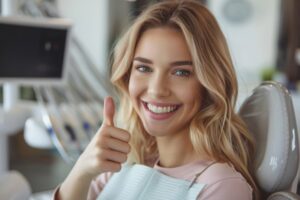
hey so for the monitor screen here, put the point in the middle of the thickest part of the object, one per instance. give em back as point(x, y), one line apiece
point(33, 50)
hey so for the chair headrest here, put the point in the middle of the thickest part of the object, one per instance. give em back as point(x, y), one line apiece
point(270, 117)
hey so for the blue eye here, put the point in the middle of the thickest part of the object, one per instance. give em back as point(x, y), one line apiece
point(143, 68)
point(182, 72)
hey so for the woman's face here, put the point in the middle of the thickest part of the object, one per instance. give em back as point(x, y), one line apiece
point(163, 85)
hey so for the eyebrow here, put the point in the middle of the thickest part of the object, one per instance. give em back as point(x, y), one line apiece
point(176, 63)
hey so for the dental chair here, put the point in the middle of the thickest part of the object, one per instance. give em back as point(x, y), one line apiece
point(270, 117)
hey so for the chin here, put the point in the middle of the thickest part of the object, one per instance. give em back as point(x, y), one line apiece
point(155, 132)
point(159, 131)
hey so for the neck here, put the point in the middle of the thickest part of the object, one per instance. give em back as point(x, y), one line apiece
point(175, 150)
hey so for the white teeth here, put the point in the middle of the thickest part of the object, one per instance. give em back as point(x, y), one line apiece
point(159, 109)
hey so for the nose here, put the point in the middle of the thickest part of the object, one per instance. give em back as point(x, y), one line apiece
point(159, 86)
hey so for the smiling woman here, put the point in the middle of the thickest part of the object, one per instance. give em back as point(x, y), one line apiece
point(178, 127)
point(162, 70)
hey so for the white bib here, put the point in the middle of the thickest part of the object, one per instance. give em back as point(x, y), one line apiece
point(139, 182)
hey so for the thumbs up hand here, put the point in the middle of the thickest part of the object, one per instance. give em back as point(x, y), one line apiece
point(107, 150)
point(105, 153)
point(108, 111)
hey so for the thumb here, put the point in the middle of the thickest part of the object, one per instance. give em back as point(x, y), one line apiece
point(108, 111)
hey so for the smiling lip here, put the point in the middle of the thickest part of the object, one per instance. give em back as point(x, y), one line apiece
point(159, 116)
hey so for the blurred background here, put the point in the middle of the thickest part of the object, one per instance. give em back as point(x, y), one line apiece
point(263, 37)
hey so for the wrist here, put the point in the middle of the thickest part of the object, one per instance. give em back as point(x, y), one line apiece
point(77, 174)
point(75, 186)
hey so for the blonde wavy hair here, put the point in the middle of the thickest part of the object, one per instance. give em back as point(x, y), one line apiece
point(216, 130)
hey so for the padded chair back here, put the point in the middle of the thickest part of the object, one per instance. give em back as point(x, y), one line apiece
point(270, 117)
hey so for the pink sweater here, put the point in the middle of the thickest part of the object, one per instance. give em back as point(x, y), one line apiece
point(222, 181)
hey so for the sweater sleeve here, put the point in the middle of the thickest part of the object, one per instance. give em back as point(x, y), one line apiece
point(227, 189)
point(97, 185)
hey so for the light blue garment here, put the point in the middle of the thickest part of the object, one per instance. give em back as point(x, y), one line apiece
point(139, 182)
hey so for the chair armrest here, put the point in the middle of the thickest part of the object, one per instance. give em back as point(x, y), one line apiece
point(283, 196)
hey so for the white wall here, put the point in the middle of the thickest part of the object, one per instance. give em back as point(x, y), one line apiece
point(8, 7)
point(90, 25)
point(252, 43)
point(94, 24)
